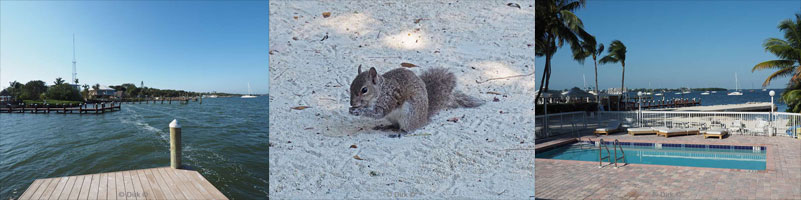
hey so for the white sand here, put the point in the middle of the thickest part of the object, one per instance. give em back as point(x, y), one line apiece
point(488, 153)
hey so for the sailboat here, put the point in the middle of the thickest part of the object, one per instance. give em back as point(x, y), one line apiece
point(736, 87)
point(250, 93)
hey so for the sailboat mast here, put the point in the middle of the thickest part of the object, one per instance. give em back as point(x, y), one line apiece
point(74, 73)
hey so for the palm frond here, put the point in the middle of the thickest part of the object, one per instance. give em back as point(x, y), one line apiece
point(780, 73)
point(773, 64)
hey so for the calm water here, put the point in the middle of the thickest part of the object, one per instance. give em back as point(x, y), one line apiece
point(711, 156)
point(720, 97)
point(225, 139)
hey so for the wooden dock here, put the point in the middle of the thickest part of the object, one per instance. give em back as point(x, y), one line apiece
point(154, 183)
point(97, 108)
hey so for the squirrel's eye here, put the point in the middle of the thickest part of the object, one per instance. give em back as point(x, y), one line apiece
point(364, 90)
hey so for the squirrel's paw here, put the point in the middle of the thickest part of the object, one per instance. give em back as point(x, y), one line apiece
point(356, 111)
point(393, 127)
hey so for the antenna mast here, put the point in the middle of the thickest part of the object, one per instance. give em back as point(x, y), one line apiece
point(74, 73)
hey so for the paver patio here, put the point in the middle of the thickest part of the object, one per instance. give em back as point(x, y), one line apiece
point(565, 179)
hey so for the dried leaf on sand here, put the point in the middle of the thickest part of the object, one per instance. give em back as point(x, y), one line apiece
point(353, 146)
point(300, 107)
point(408, 65)
point(357, 157)
point(455, 119)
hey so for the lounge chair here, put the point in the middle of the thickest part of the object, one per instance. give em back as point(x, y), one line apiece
point(641, 130)
point(612, 127)
point(760, 129)
point(667, 132)
point(717, 132)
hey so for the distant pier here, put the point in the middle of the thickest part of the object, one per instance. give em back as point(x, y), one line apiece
point(95, 108)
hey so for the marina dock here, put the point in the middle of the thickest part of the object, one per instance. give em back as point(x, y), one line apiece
point(153, 183)
point(97, 108)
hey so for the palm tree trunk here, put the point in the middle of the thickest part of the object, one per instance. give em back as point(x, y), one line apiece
point(622, 80)
point(597, 94)
point(545, 77)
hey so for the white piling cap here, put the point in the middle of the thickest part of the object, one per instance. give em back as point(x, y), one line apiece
point(174, 124)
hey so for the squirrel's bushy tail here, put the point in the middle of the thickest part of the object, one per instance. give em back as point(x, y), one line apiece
point(439, 86)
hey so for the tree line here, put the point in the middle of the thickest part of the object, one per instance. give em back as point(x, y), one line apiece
point(37, 90)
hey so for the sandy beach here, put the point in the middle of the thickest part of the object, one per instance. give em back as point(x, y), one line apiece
point(319, 151)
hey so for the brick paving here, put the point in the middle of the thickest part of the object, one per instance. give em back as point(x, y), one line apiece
point(565, 179)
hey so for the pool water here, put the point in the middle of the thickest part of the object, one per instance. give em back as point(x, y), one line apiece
point(690, 155)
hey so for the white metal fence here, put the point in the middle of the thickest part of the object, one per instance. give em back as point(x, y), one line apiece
point(737, 123)
point(560, 123)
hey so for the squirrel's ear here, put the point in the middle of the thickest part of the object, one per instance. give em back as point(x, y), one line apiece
point(373, 74)
point(360, 69)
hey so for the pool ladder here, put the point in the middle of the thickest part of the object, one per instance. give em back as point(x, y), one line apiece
point(615, 146)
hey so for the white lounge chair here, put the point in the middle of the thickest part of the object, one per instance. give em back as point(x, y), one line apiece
point(612, 127)
point(716, 132)
point(641, 130)
point(676, 131)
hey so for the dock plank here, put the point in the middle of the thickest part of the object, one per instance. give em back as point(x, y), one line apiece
point(120, 183)
point(112, 186)
point(41, 188)
point(137, 185)
point(93, 187)
point(59, 187)
point(65, 193)
point(87, 184)
point(189, 191)
point(50, 188)
point(181, 174)
point(172, 185)
point(154, 183)
point(147, 193)
point(216, 194)
point(31, 189)
point(102, 190)
point(76, 188)
point(129, 189)
point(164, 186)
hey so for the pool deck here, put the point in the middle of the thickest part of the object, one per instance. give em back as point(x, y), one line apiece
point(153, 183)
point(566, 179)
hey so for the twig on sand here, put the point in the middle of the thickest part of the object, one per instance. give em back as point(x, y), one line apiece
point(421, 134)
point(505, 77)
point(519, 149)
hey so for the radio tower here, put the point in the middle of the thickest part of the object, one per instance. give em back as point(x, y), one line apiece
point(74, 74)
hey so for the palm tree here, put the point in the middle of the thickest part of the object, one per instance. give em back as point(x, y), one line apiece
point(556, 25)
point(792, 97)
point(590, 48)
point(59, 81)
point(789, 52)
point(617, 54)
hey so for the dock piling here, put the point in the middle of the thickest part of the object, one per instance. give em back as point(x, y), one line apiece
point(175, 144)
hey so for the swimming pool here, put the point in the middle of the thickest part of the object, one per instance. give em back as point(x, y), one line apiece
point(690, 155)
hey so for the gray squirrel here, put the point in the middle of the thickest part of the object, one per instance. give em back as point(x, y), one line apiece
point(403, 98)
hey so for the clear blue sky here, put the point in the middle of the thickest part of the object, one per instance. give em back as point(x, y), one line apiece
point(677, 43)
point(189, 45)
